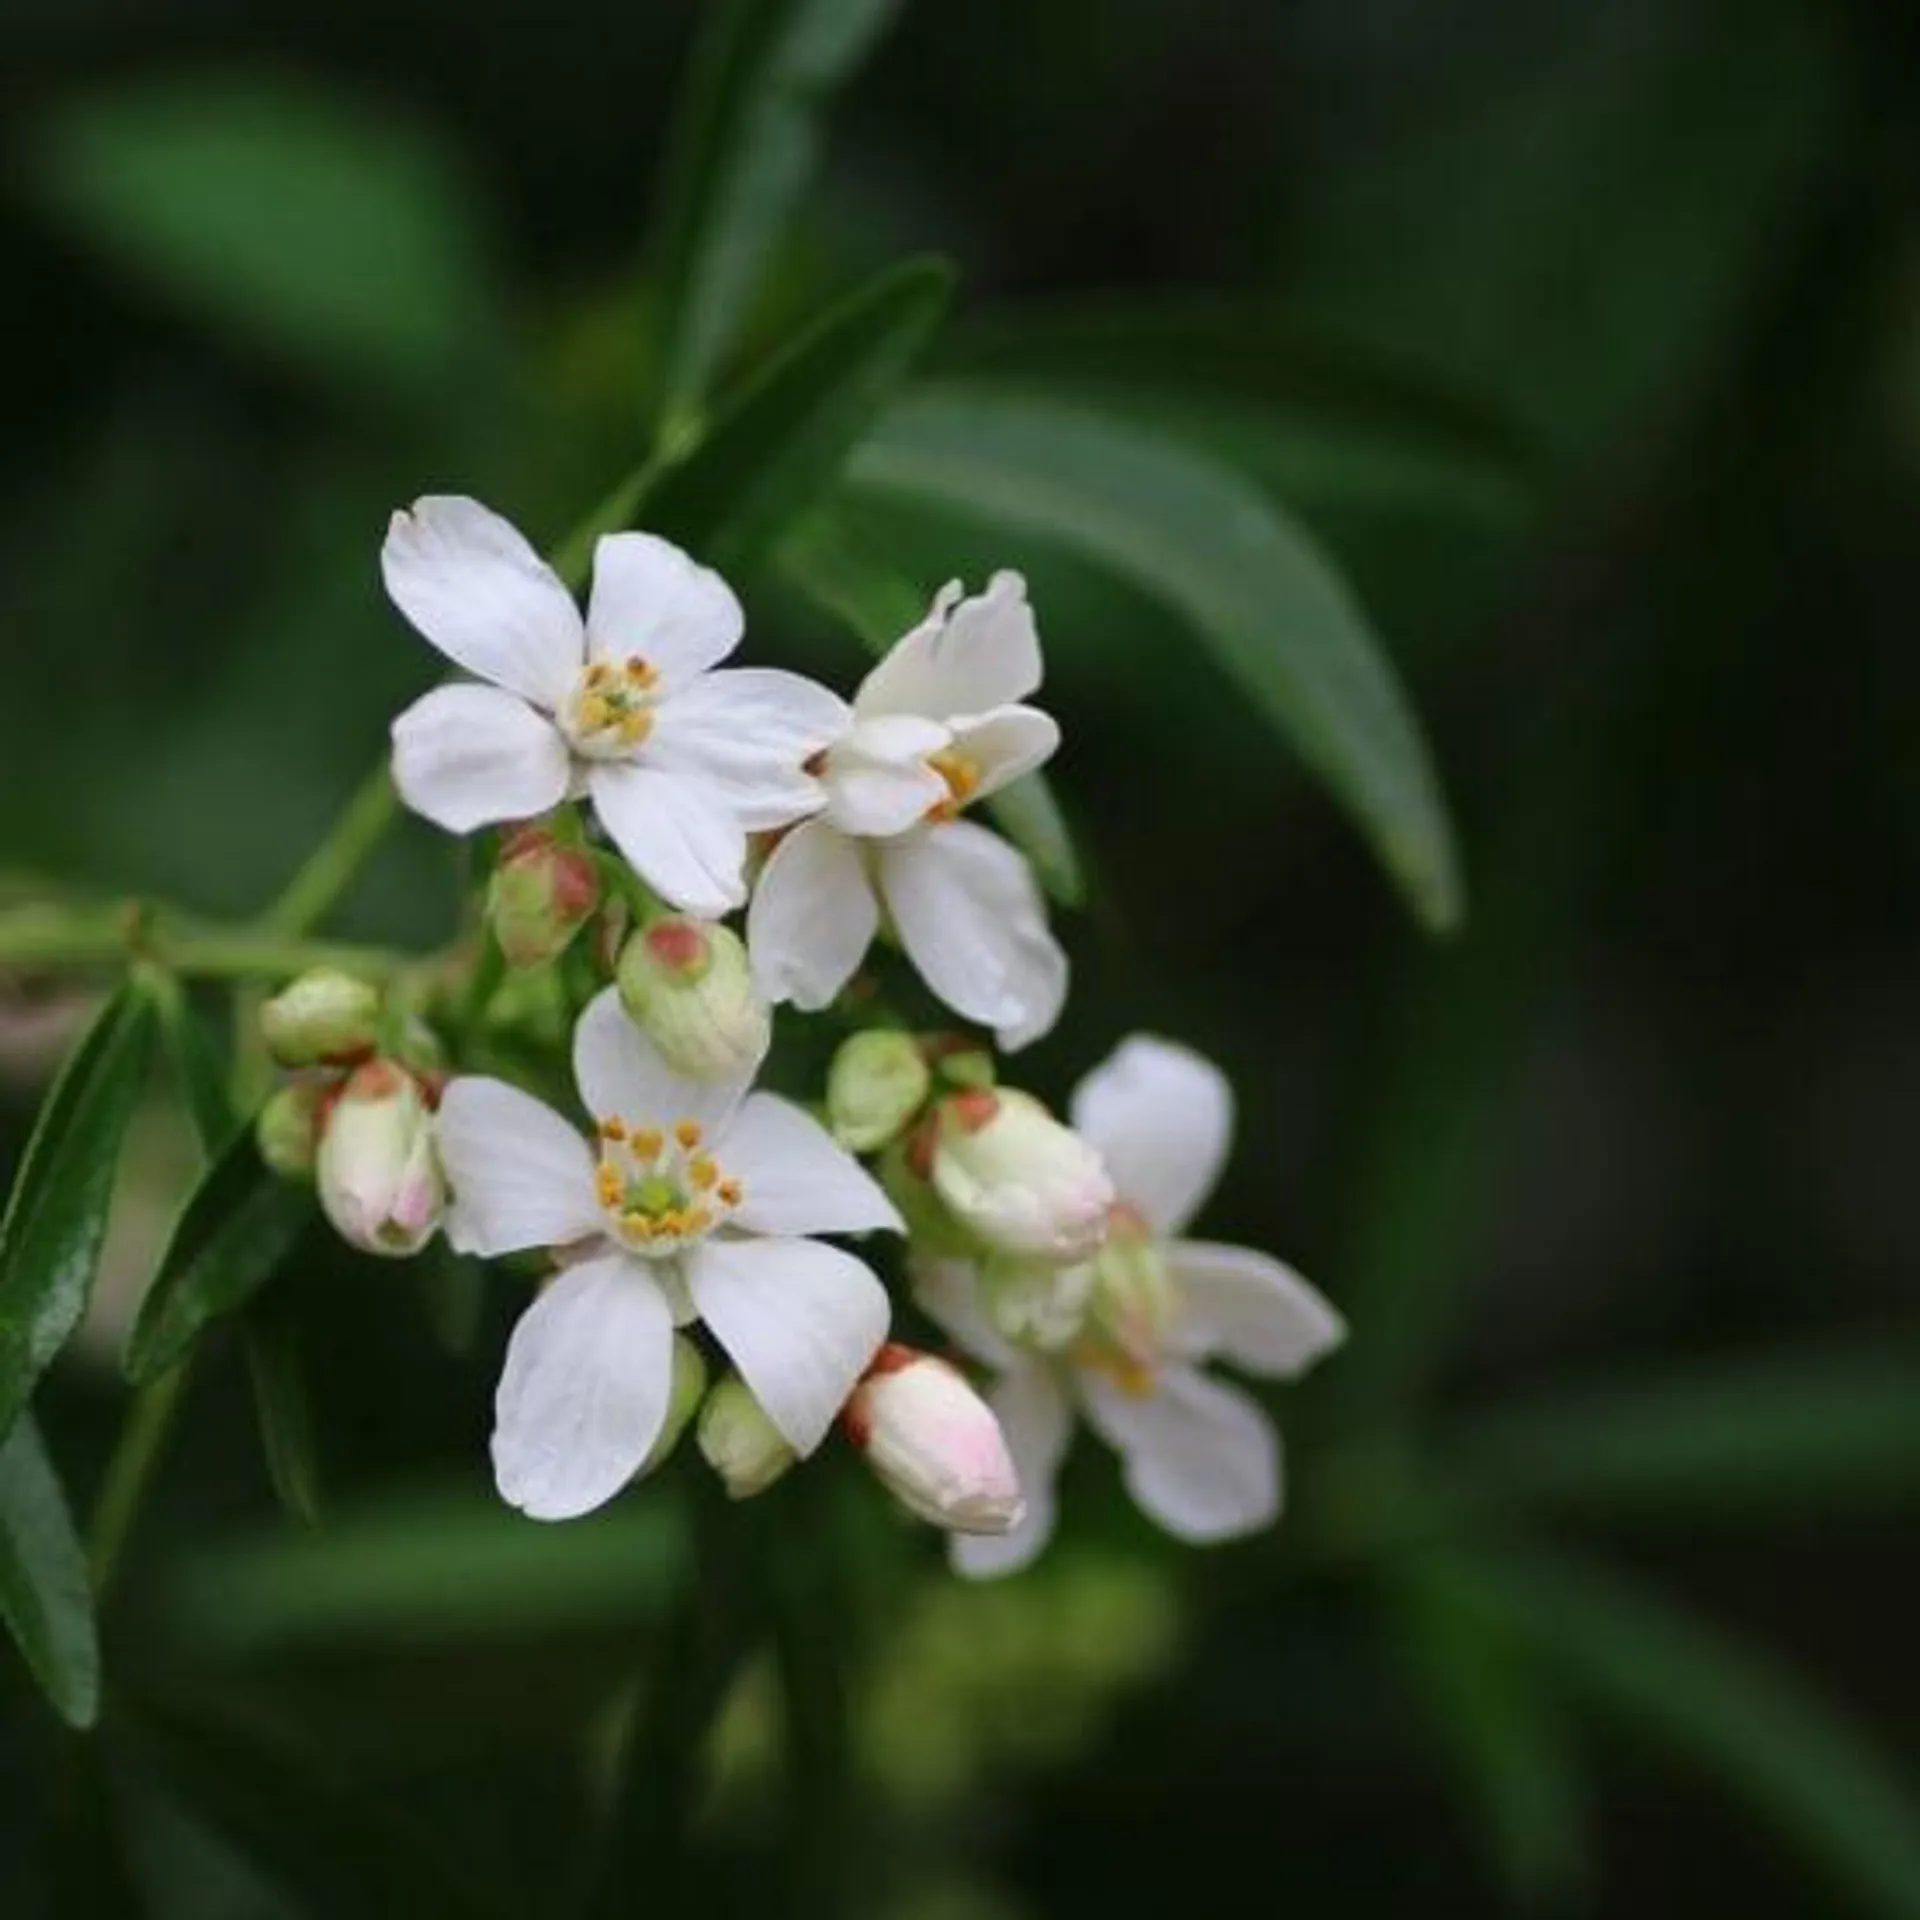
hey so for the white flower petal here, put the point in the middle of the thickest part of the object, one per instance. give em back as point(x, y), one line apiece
point(621, 1075)
point(1036, 1424)
point(584, 1391)
point(745, 731)
point(948, 1293)
point(676, 831)
point(878, 779)
point(796, 1180)
point(650, 599)
point(799, 1319)
point(468, 756)
point(813, 917)
point(1200, 1459)
point(967, 656)
point(521, 1176)
point(472, 585)
point(1249, 1308)
point(973, 923)
point(1005, 744)
point(1162, 1116)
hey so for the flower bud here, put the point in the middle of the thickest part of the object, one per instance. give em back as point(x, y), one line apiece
point(325, 1015)
point(540, 896)
point(687, 985)
point(934, 1442)
point(1133, 1306)
point(380, 1180)
point(739, 1442)
point(1034, 1304)
point(683, 1402)
point(288, 1129)
point(877, 1083)
point(1018, 1179)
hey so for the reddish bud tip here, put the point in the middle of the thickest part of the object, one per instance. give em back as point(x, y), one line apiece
point(679, 945)
point(974, 1109)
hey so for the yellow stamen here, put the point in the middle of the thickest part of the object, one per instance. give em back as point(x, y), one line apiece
point(609, 1185)
point(698, 1219)
point(647, 1142)
point(613, 1129)
point(702, 1172)
point(688, 1133)
point(963, 782)
point(638, 1224)
point(729, 1192)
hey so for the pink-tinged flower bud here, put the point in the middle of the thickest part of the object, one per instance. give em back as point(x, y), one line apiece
point(739, 1442)
point(1017, 1179)
point(687, 985)
point(325, 1015)
point(878, 1081)
point(541, 894)
point(934, 1442)
point(380, 1179)
point(288, 1129)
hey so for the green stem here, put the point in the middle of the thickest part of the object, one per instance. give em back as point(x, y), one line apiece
point(60, 937)
point(136, 1456)
point(329, 869)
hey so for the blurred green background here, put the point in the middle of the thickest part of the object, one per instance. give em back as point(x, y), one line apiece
point(1586, 338)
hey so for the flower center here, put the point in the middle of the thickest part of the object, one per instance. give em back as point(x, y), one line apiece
point(963, 782)
point(610, 710)
point(658, 1189)
point(1133, 1307)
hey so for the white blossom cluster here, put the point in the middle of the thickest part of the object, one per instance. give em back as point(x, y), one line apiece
point(696, 1212)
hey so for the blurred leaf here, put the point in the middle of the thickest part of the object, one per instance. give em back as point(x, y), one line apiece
point(283, 1410)
point(45, 1597)
point(1195, 535)
point(56, 1220)
point(453, 1292)
point(1321, 418)
point(239, 1224)
point(745, 142)
point(196, 1064)
point(1815, 1432)
point(827, 558)
point(774, 449)
point(1503, 1742)
point(1816, 1779)
point(428, 1568)
point(294, 218)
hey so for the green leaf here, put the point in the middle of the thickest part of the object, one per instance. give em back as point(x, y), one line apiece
point(1199, 537)
point(1501, 1738)
point(56, 1220)
point(1720, 1441)
point(1325, 419)
point(283, 1412)
point(196, 1064)
point(1677, 1683)
point(746, 141)
point(776, 448)
point(239, 1224)
point(45, 1598)
point(428, 1569)
point(295, 219)
point(828, 559)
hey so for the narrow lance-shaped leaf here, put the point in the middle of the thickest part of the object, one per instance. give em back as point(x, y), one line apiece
point(1199, 537)
point(746, 139)
point(1817, 1780)
point(44, 1595)
point(196, 1065)
point(240, 1223)
point(775, 448)
point(827, 558)
point(56, 1220)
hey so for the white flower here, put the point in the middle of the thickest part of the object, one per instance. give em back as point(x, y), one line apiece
point(689, 1206)
point(1200, 1458)
point(681, 763)
point(936, 725)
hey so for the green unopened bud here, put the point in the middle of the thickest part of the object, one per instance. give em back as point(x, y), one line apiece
point(380, 1179)
point(288, 1129)
point(1134, 1304)
point(739, 1442)
point(687, 985)
point(540, 896)
point(877, 1083)
point(683, 1402)
point(958, 1063)
point(325, 1015)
